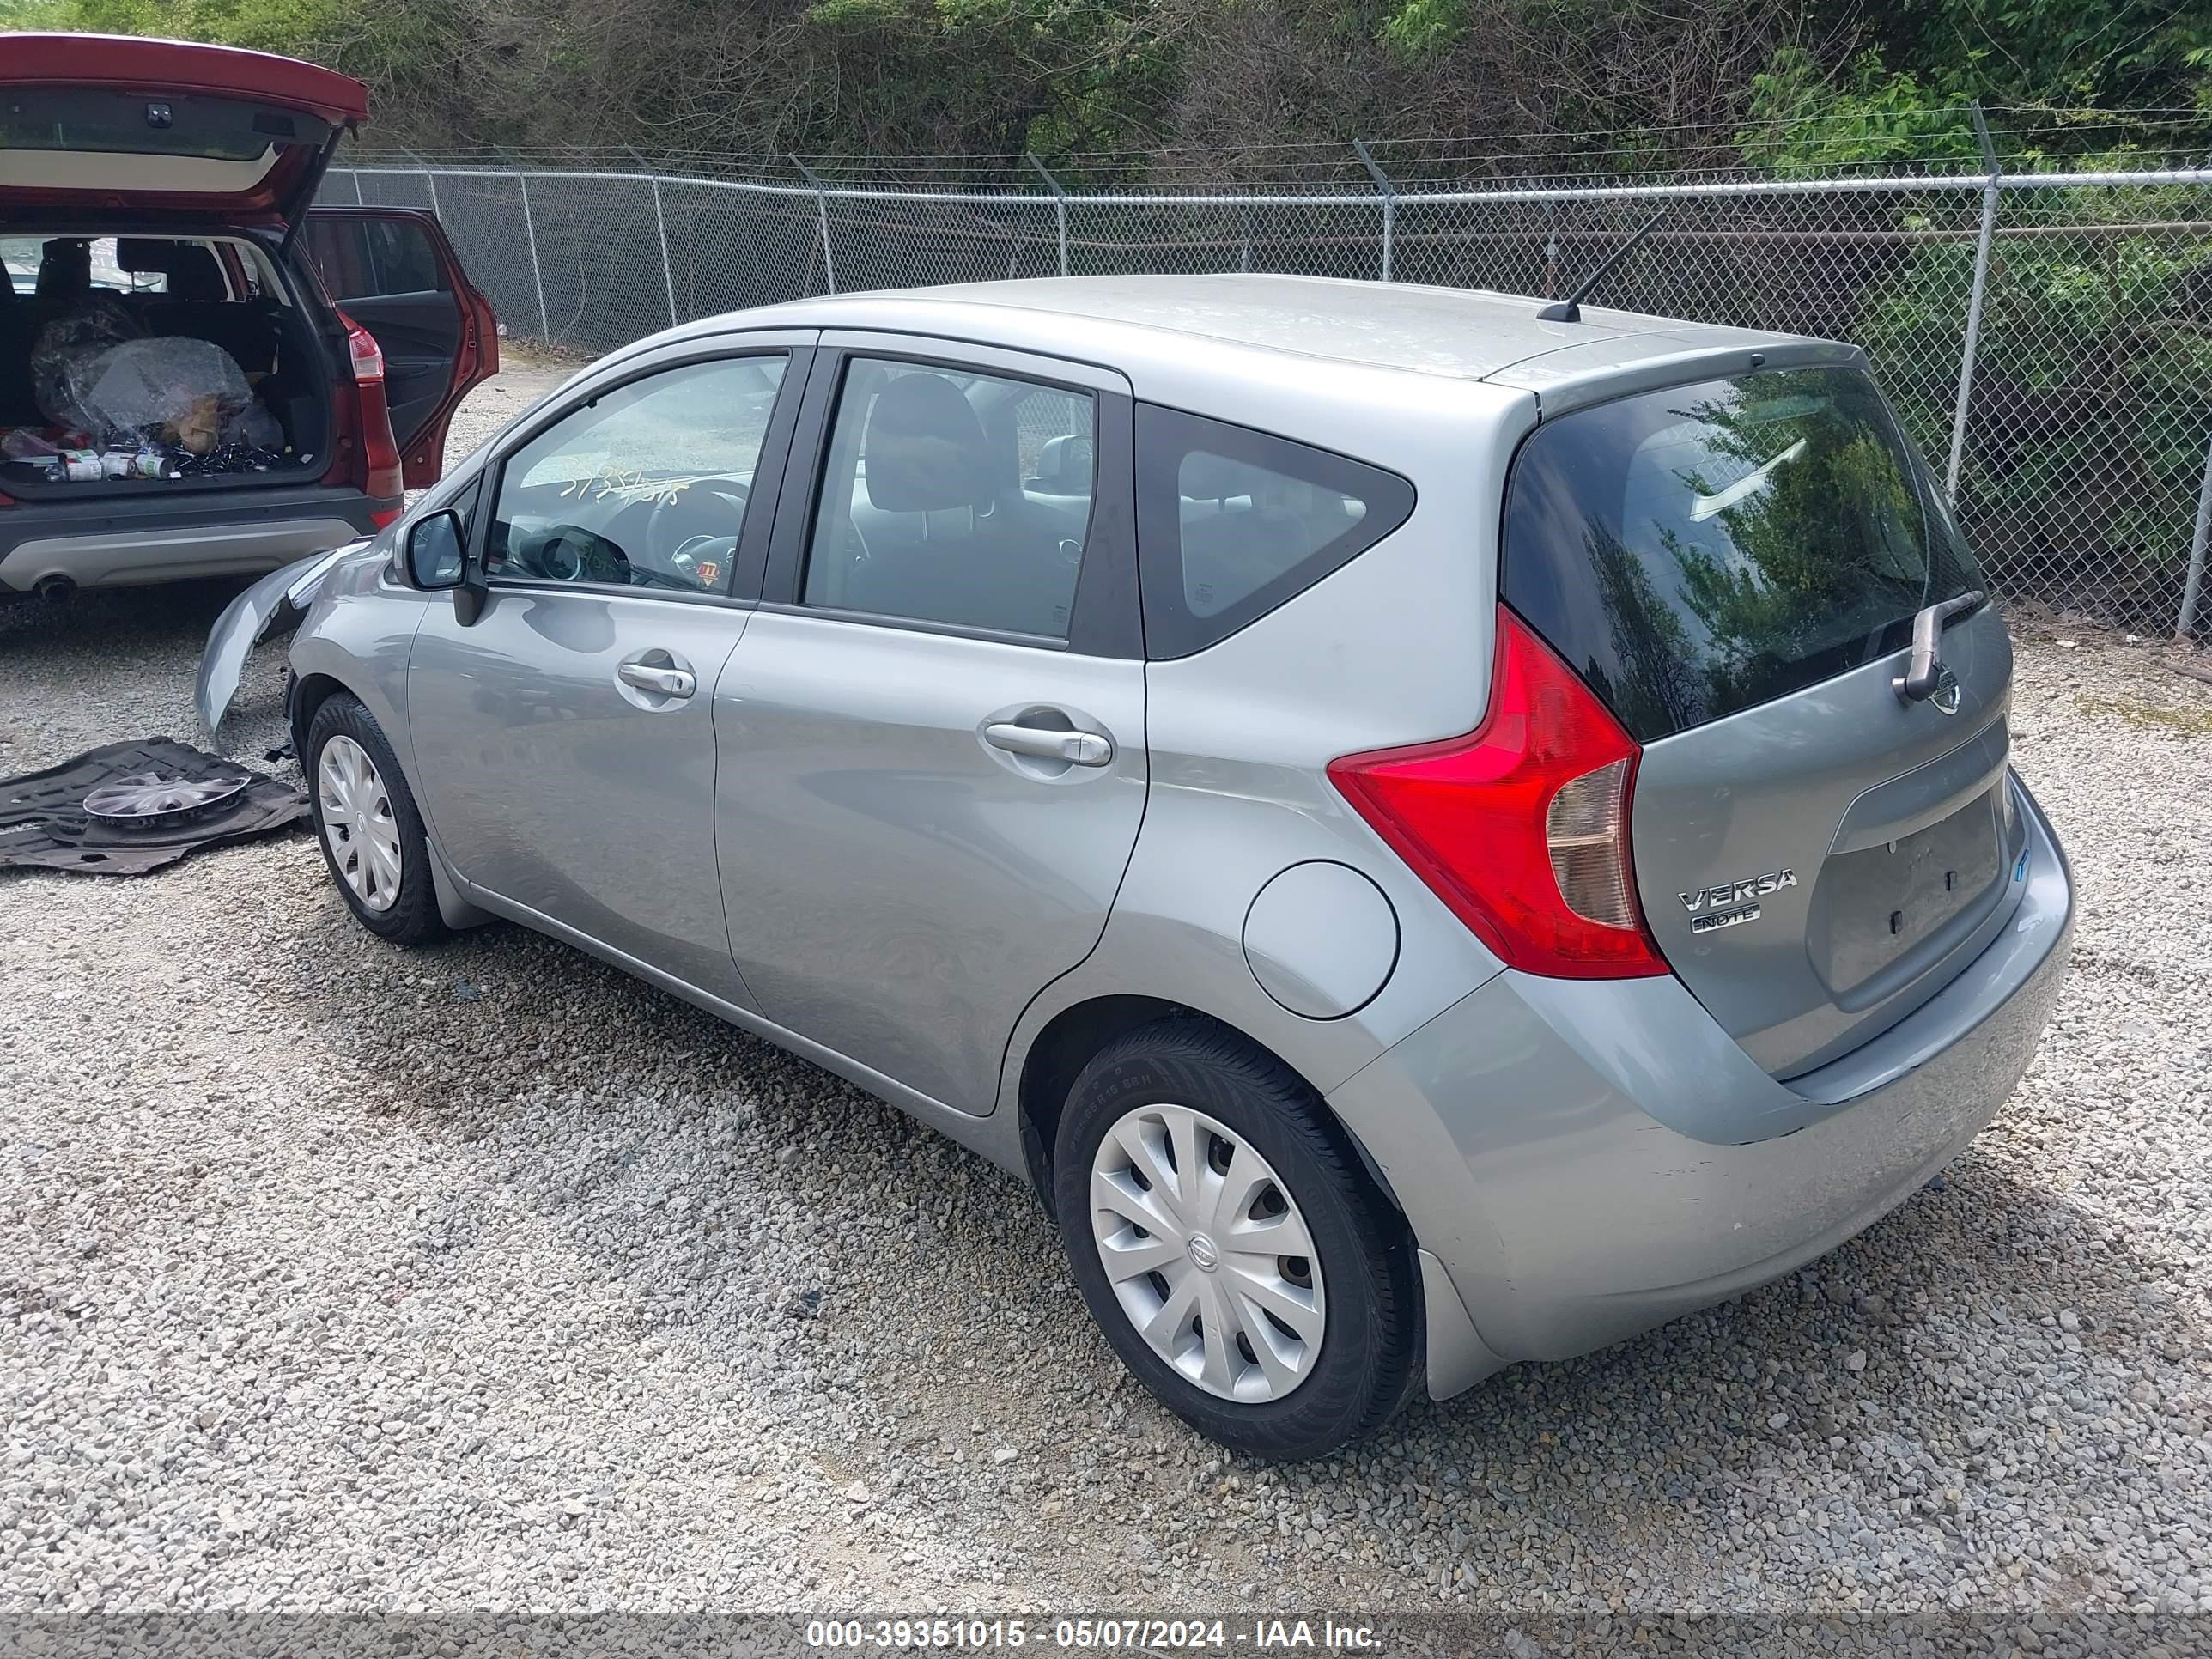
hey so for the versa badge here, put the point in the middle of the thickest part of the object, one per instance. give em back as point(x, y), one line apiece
point(1733, 903)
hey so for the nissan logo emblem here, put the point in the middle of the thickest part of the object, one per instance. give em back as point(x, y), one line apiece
point(1947, 693)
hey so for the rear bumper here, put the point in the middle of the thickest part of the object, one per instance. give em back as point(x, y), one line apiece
point(118, 543)
point(1587, 1159)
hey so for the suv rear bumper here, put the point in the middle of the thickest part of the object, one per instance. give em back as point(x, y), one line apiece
point(117, 543)
point(1585, 1161)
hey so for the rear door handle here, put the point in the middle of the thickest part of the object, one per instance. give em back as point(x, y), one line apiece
point(668, 681)
point(1080, 748)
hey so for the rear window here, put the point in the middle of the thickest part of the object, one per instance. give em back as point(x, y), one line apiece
point(150, 124)
point(1697, 550)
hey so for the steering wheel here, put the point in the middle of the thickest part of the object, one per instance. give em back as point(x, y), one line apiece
point(569, 553)
point(708, 511)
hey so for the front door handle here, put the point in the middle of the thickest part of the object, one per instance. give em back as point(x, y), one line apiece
point(1079, 747)
point(668, 681)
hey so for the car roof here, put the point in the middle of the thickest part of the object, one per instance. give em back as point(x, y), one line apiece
point(1469, 334)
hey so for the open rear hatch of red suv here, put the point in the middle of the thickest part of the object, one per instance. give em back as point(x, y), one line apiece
point(99, 124)
point(160, 331)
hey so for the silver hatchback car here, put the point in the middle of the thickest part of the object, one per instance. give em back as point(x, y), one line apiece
point(1433, 834)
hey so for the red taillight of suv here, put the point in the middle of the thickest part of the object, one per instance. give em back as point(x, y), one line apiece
point(379, 451)
point(367, 356)
point(1521, 826)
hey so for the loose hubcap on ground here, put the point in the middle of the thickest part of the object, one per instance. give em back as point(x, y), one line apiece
point(149, 801)
point(1207, 1254)
point(358, 825)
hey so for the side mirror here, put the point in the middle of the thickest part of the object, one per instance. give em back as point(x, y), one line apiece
point(436, 559)
point(1064, 465)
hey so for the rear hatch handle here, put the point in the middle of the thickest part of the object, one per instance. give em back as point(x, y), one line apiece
point(1918, 682)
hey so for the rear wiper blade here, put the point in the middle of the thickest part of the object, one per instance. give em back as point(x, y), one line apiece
point(1925, 672)
point(1704, 507)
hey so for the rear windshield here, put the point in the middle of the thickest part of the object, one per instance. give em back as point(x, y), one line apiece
point(1697, 550)
point(150, 124)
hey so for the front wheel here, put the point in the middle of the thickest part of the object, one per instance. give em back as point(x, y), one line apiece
point(366, 819)
point(1231, 1247)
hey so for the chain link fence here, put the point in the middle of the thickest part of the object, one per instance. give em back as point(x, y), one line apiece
point(2047, 336)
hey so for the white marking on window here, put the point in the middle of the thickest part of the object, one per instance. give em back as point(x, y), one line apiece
point(1704, 507)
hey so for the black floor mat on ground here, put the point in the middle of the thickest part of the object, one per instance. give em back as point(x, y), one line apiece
point(43, 819)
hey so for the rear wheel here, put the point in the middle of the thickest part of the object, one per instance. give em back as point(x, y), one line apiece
point(366, 819)
point(1232, 1248)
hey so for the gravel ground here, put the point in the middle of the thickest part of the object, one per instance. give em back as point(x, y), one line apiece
point(341, 1277)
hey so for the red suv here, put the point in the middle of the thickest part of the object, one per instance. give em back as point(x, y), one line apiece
point(180, 393)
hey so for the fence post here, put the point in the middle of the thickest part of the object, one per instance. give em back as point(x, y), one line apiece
point(429, 180)
point(667, 269)
point(659, 224)
point(537, 276)
point(358, 200)
point(1059, 204)
point(1389, 203)
point(1990, 192)
point(2194, 585)
point(822, 219)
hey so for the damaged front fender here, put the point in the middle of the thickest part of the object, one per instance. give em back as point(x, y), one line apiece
point(275, 603)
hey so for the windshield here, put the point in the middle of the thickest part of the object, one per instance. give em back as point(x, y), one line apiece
point(1697, 550)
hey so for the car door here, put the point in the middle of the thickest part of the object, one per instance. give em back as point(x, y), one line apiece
point(932, 734)
point(561, 710)
point(393, 271)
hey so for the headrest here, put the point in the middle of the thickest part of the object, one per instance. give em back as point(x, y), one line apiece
point(192, 269)
point(194, 274)
point(925, 448)
point(1206, 477)
point(65, 269)
point(139, 254)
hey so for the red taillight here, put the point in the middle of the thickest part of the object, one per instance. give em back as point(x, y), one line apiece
point(1521, 826)
point(381, 475)
point(384, 516)
point(367, 356)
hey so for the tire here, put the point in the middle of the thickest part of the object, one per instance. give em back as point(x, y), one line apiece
point(1360, 1288)
point(365, 819)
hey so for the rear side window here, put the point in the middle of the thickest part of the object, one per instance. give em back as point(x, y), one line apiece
point(954, 497)
point(1697, 550)
point(359, 258)
point(1231, 522)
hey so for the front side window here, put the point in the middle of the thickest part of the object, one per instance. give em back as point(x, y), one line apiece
point(1698, 550)
point(644, 486)
point(1232, 522)
point(951, 496)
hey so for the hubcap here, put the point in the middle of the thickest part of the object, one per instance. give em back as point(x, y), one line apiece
point(358, 826)
point(1207, 1252)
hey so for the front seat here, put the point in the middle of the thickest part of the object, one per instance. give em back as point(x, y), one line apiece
point(946, 538)
point(65, 269)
